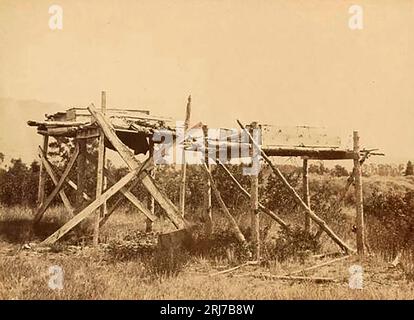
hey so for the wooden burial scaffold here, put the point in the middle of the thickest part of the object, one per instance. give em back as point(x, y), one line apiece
point(130, 132)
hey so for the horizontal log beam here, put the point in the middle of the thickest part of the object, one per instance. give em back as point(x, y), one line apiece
point(315, 154)
point(57, 123)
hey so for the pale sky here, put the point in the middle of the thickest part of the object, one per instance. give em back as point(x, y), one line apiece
point(277, 62)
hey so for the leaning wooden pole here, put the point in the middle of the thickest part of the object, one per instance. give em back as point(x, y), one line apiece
point(239, 235)
point(184, 164)
point(360, 238)
point(269, 212)
point(254, 191)
point(299, 200)
point(306, 196)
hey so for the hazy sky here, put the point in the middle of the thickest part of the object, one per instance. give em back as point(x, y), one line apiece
point(278, 62)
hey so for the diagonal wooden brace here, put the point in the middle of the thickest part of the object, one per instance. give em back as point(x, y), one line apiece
point(55, 180)
point(116, 204)
point(56, 171)
point(127, 193)
point(148, 182)
point(269, 212)
point(90, 208)
point(132, 198)
point(55, 191)
point(239, 235)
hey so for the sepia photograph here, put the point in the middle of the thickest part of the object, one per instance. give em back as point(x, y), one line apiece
point(183, 150)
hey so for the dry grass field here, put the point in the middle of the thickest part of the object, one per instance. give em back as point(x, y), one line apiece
point(125, 266)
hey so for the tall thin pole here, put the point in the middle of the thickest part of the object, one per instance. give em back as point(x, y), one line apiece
point(306, 195)
point(360, 237)
point(81, 173)
point(184, 165)
point(42, 174)
point(254, 199)
point(100, 174)
point(150, 199)
point(207, 186)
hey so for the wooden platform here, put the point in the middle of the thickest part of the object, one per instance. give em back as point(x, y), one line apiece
point(136, 127)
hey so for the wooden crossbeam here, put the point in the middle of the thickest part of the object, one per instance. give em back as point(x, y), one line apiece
point(90, 208)
point(223, 206)
point(126, 154)
point(55, 191)
point(269, 212)
point(299, 200)
point(55, 180)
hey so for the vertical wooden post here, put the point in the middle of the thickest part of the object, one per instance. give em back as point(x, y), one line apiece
point(150, 199)
point(306, 195)
point(42, 174)
point(104, 208)
point(254, 199)
point(207, 189)
point(81, 173)
point(360, 237)
point(100, 174)
point(184, 165)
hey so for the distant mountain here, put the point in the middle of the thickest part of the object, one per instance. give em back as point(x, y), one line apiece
point(17, 139)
